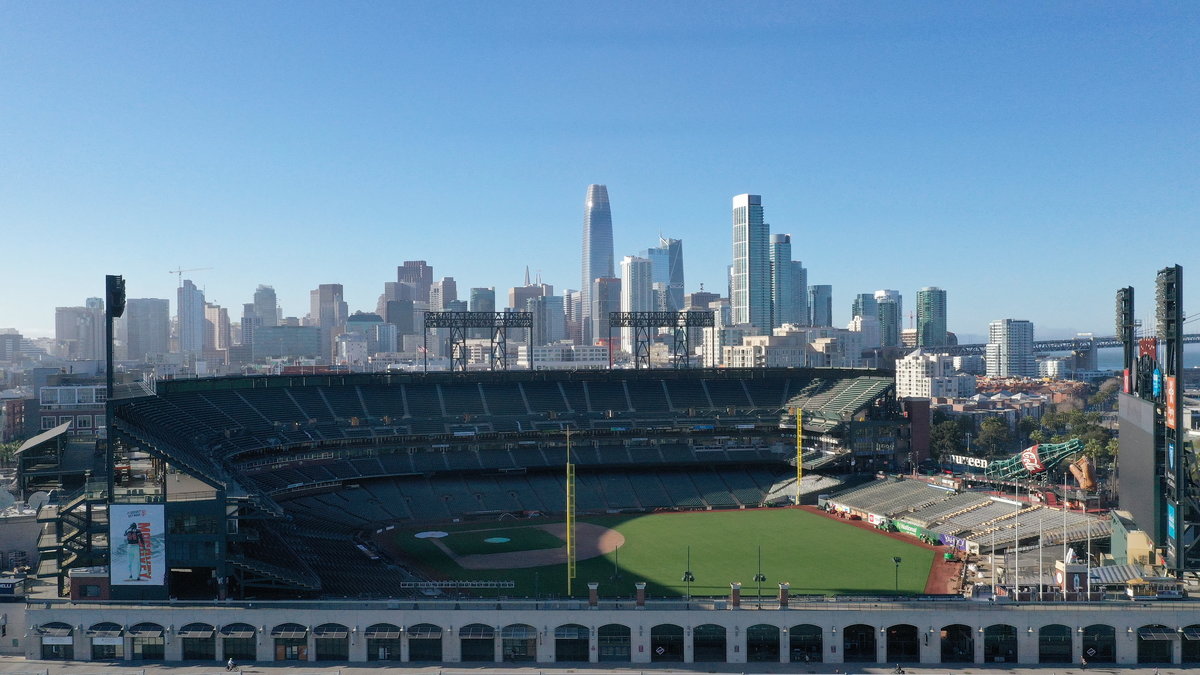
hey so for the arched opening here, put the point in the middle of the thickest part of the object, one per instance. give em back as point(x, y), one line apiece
point(708, 643)
point(383, 642)
point(477, 642)
point(571, 643)
point(858, 644)
point(108, 641)
point(58, 643)
point(146, 642)
point(1054, 644)
point(666, 643)
point(806, 643)
point(613, 643)
point(1100, 643)
point(331, 642)
point(425, 643)
point(762, 643)
point(238, 642)
point(1190, 653)
point(198, 641)
point(1000, 643)
point(519, 642)
point(291, 642)
point(1154, 643)
point(958, 644)
point(903, 646)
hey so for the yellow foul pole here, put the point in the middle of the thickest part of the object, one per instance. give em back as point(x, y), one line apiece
point(799, 451)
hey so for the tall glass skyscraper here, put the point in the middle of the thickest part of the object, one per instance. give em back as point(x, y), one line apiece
point(750, 283)
point(783, 282)
point(666, 259)
point(931, 317)
point(864, 305)
point(597, 252)
point(820, 303)
point(891, 316)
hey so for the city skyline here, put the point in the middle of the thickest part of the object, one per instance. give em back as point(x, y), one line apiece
point(1019, 148)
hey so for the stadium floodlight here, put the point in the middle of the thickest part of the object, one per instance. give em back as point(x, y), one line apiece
point(896, 560)
point(760, 577)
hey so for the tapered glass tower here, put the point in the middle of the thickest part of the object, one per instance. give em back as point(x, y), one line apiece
point(597, 253)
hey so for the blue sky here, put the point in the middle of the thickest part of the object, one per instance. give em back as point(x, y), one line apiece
point(1030, 158)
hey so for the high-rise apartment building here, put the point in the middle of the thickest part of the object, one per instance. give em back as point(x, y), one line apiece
point(931, 317)
point(597, 254)
point(666, 259)
point(864, 305)
point(144, 329)
point(189, 313)
point(820, 302)
point(800, 289)
point(637, 292)
point(783, 282)
point(1009, 350)
point(891, 316)
point(750, 283)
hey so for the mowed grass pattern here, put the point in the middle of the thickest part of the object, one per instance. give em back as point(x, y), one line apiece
point(530, 538)
point(815, 554)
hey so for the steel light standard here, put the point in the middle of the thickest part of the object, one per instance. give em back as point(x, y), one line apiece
point(896, 559)
point(687, 574)
point(760, 577)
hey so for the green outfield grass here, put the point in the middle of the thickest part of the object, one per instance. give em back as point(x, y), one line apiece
point(815, 554)
point(527, 538)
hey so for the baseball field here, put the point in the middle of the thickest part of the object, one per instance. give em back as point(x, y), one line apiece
point(815, 554)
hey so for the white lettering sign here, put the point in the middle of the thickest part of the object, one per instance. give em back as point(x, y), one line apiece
point(970, 461)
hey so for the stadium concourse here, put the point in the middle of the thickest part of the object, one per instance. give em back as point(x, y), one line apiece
point(229, 518)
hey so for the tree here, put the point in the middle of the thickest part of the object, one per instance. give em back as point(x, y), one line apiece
point(945, 438)
point(1027, 426)
point(994, 434)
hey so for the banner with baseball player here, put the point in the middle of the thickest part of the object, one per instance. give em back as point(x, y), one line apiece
point(137, 541)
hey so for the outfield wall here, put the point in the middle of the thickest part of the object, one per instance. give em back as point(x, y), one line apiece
point(931, 632)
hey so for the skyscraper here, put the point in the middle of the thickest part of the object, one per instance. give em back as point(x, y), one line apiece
point(783, 283)
point(1009, 351)
point(751, 280)
point(416, 277)
point(666, 259)
point(606, 298)
point(637, 294)
point(931, 317)
point(820, 301)
point(189, 311)
point(328, 312)
point(800, 290)
point(597, 253)
point(79, 331)
point(482, 300)
point(891, 316)
point(266, 307)
point(145, 328)
point(864, 305)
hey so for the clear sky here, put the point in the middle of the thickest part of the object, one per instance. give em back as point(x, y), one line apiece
point(1029, 158)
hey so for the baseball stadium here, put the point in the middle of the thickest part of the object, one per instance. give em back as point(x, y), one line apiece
point(617, 516)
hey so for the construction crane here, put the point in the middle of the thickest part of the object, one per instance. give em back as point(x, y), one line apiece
point(179, 272)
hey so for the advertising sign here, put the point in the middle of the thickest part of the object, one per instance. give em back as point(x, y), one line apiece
point(1172, 400)
point(907, 528)
point(1030, 460)
point(137, 538)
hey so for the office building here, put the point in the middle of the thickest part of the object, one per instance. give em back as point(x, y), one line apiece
point(666, 261)
point(414, 279)
point(597, 255)
point(931, 317)
point(864, 305)
point(750, 282)
point(820, 302)
point(217, 338)
point(481, 300)
point(79, 331)
point(328, 312)
point(1009, 350)
point(891, 316)
point(606, 299)
point(266, 306)
point(144, 330)
point(549, 319)
point(286, 341)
